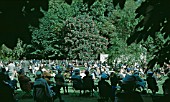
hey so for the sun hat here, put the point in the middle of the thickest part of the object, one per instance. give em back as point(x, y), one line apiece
point(149, 73)
point(38, 73)
point(128, 83)
point(128, 79)
point(76, 70)
point(104, 76)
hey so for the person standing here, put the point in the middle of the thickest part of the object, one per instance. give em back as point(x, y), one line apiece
point(59, 79)
point(11, 70)
point(25, 65)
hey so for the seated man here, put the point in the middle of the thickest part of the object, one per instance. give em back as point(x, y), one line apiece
point(88, 82)
point(128, 94)
point(140, 83)
point(59, 79)
point(104, 88)
point(77, 81)
point(42, 95)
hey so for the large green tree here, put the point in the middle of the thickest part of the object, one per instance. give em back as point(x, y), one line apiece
point(44, 40)
point(154, 26)
point(67, 32)
point(81, 40)
point(155, 18)
point(117, 25)
point(124, 22)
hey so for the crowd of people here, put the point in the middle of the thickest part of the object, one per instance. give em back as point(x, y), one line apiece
point(46, 78)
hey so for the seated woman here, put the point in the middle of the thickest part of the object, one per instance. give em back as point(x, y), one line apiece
point(25, 82)
point(140, 83)
point(128, 94)
point(47, 76)
point(6, 91)
point(67, 76)
point(12, 83)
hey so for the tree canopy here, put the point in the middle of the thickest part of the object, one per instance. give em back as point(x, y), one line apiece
point(155, 24)
point(155, 18)
point(68, 32)
point(153, 29)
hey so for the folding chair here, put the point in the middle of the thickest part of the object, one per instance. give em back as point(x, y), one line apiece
point(76, 85)
point(88, 84)
point(40, 89)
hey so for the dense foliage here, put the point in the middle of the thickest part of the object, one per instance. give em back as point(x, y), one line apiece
point(13, 54)
point(124, 22)
point(67, 33)
point(111, 23)
point(155, 24)
point(75, 32)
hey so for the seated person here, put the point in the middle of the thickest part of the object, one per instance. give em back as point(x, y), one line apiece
point(104, 88)
point(42, 95)
point(25, 82)
point(140, 83)
point(6, 91)
point(12, 83)
point(47, 76)
point(67, 76)
point(60, 81)
point(128, 94)
point(77, 81)
point(88, 82)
